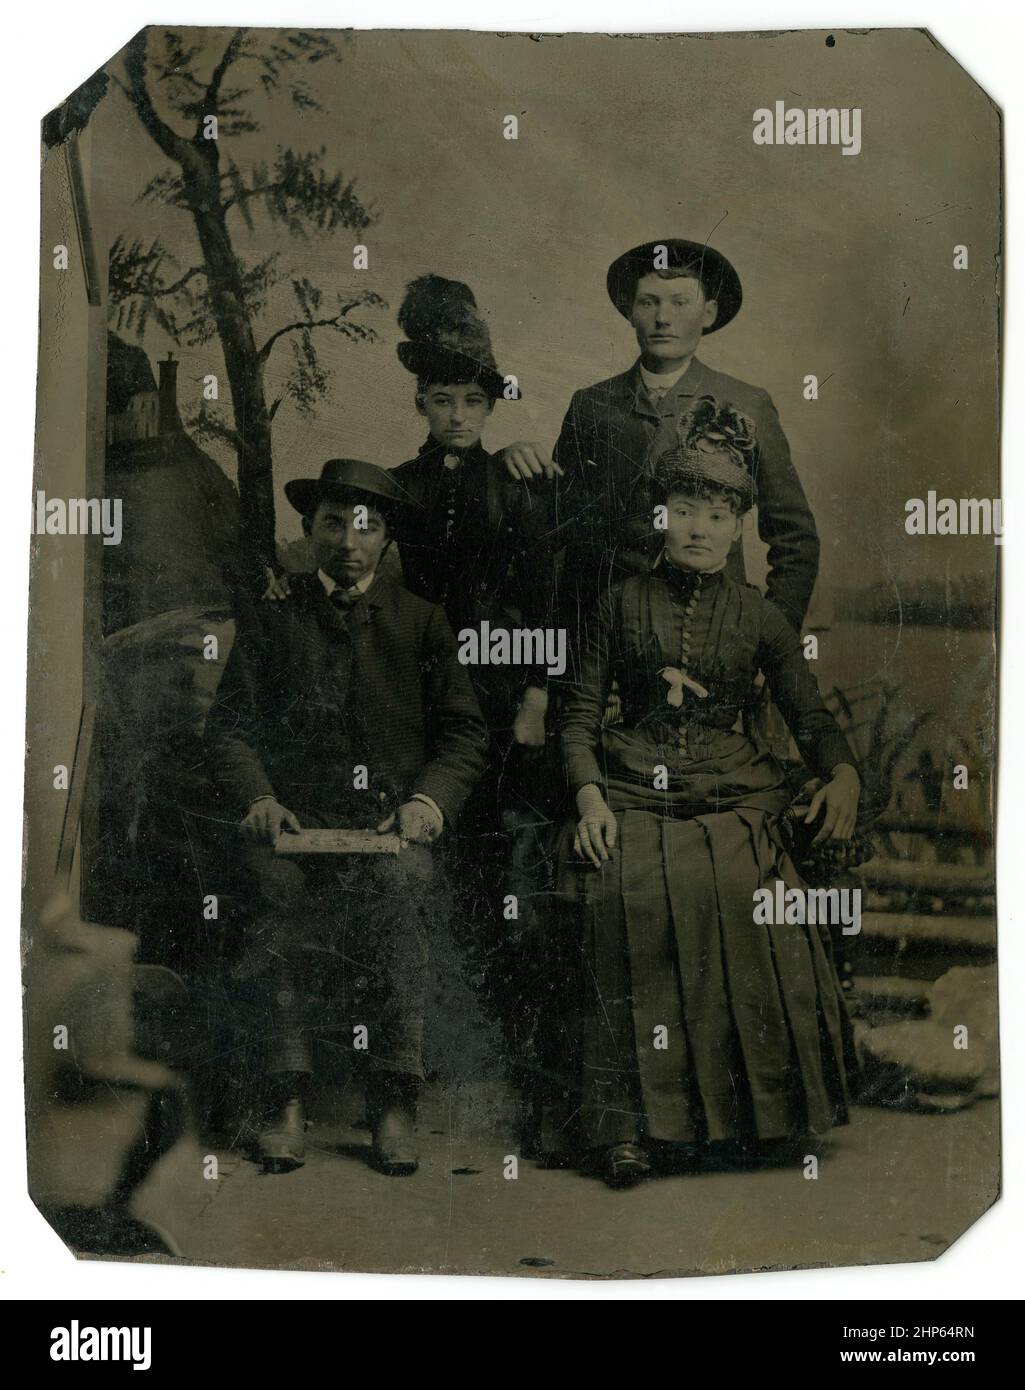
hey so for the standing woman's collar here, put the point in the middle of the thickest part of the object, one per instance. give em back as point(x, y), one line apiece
point(432, 448)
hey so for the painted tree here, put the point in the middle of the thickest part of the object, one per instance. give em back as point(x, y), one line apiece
point(192, 104)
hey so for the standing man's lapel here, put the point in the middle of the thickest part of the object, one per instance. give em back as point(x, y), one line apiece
point(640, 402)
point(673, 407)
point(690, 384)
point(673, 403)
point(623, 434)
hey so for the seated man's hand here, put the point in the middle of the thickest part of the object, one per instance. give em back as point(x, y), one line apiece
point(529, 724)
point(524, 460)
point(265, 819)
point(416, 822)
point(277, 585)
point(597, 829)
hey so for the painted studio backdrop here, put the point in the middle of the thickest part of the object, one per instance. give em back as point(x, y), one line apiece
point(545, 467)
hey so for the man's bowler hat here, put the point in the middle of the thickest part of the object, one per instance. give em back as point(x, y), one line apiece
point(340, 478)
point(718, 278)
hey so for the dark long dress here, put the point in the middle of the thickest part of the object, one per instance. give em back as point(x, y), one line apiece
point(481, 546)
point(690, 1022)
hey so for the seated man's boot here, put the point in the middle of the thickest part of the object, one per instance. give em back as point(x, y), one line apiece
point(282, 1140)
point(391, 1110)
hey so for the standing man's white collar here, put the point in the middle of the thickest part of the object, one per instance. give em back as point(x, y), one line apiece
point(659, 383)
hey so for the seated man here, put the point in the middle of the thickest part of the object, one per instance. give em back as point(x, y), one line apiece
point(344, 706)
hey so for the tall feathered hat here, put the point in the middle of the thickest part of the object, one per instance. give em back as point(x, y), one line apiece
point(715, 448)
point(448, 339)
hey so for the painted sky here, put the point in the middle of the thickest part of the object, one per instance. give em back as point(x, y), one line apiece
point(846, 262)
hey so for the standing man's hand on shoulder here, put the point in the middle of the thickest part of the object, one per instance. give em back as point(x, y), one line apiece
point(837, 803)
point(277, 585)
point(265, 820)
point(524, 460)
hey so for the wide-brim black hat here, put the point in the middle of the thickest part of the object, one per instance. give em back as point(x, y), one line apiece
point(443, 364)
point(341, 478)
point(718, 278)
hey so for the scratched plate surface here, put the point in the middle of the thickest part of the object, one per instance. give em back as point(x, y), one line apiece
point(230, 223)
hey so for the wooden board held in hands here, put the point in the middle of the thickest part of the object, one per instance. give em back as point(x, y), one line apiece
point(336, 842)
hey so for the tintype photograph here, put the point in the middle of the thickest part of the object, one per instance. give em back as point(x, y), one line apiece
point(512, 653)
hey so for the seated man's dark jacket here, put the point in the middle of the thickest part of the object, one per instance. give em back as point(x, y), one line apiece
point(612, 436)
point(311, 692)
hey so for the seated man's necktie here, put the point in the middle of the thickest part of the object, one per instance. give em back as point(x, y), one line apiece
point(345, 599)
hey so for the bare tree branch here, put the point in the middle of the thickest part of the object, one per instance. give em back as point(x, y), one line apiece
point(208, 425)
point(180, 283)
point(333, 321)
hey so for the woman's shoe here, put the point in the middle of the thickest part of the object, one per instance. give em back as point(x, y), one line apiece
point(625, 1164)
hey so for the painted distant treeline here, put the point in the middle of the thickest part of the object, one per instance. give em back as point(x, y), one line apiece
point(965, 603)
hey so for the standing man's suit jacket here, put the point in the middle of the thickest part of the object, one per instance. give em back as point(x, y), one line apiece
point(311, 692)
point(610, 440)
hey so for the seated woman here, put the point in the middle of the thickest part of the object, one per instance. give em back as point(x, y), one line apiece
point(697, 1021)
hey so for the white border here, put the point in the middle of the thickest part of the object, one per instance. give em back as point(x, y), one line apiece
point(49, 50)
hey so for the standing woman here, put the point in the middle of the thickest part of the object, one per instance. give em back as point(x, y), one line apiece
point(696, 1021)
point(480, 546)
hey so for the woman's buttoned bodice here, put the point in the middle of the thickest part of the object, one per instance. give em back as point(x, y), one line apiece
point(685, 649)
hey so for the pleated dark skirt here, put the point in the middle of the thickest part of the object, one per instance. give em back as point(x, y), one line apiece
point(682, 1019)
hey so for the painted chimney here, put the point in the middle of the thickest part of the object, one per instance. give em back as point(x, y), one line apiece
point(168, 420)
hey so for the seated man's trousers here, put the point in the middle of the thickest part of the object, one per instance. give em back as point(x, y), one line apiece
point(339, 944)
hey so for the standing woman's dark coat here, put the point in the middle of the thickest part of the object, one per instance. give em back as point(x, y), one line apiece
point(479, 544)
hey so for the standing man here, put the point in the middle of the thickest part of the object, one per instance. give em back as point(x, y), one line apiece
point(344, 706)
point(672, 293)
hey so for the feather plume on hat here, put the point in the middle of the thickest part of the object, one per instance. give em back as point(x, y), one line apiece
point(448, 338)
point(715, 448)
